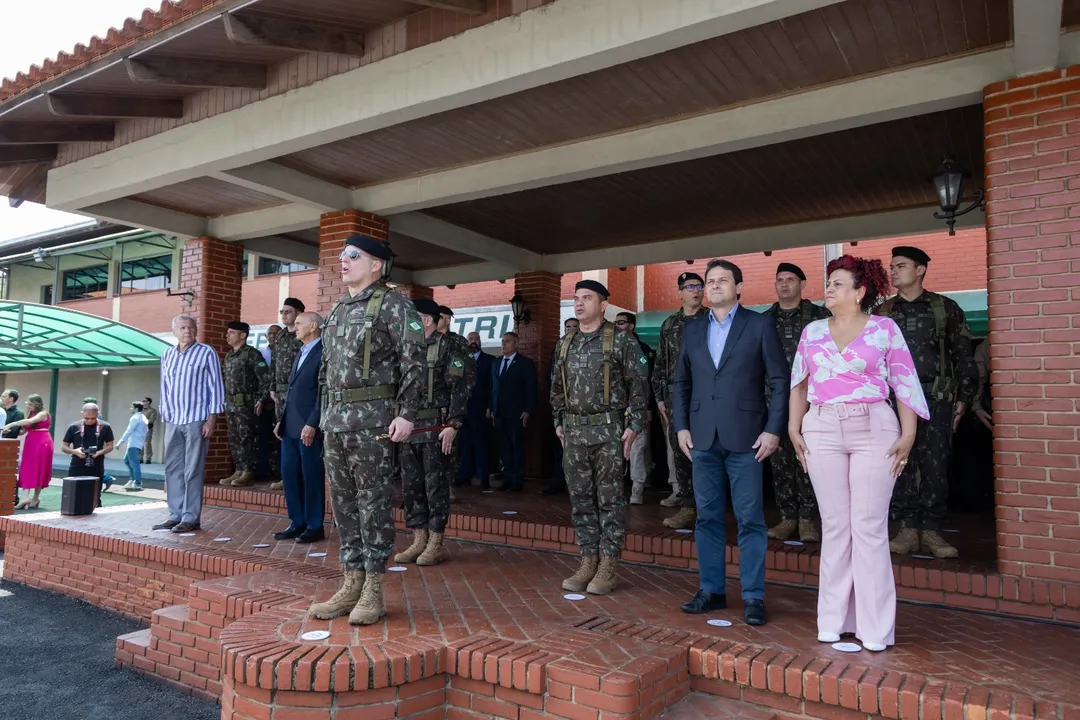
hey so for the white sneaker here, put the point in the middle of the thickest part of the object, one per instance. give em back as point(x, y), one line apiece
point(873, 647)
point(637, 493)
point(671, 500)
point(827, 637)
point(130, 484)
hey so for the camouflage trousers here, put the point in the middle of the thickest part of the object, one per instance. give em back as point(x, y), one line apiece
point(794, 494)
point(360, 474)
point(426, 485)
point(594, 475)
point(684, 470)
point(243, 437)
point(922, 491)
point(451, 464)
point(148, 445)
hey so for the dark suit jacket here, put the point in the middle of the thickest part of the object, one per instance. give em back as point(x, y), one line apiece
point(729, 400)
point(480, 397)
point(302, 402)
point(514, 392)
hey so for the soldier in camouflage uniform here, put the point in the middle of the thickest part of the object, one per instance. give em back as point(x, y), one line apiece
point(247, 386)
point(452, 462)
point(372, 377)
point(936, 332)
point(424, 455)
point(598, 397)
point(794, 493)
point(691, 288)
point(282, 357)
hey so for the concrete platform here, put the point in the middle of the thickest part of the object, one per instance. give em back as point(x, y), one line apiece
point(490, 634)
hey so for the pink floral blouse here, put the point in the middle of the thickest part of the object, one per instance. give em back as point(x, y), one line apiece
point(876, 360)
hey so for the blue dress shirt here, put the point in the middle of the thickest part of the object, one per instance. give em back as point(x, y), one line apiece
point(718, 334)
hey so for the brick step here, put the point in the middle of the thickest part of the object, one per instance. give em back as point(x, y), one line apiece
point(704, 706)
point(175, 651)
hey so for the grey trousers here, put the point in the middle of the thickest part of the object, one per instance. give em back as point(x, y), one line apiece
point(185, 462)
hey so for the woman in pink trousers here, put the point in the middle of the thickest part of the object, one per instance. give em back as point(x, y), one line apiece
point(847, 438)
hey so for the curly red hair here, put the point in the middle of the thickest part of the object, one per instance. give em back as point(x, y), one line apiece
point(867, 273)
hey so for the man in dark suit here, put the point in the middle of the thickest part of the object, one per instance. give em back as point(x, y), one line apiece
point(727, 430)
point(474, 433)
point(513, 399)
point(302, 472)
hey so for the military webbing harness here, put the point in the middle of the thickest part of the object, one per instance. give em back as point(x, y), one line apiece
point(943, 386)
point(804, 314)
point(607, 346)
point(431, 413)
point(377, 392)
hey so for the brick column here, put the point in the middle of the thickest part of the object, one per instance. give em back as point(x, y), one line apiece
point(538, 337)
point(334, 227)
point(9, 475)
point(415, 292)
point(1032, 128)
point(212, 269)
point(623, 286)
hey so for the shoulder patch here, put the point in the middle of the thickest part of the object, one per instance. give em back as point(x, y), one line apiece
point(414, 328)
point(458, 363)
point(415, 325)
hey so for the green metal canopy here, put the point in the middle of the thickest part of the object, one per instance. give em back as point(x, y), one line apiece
point(46, 337)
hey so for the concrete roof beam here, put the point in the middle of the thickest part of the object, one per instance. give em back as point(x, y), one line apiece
point(1036, 36)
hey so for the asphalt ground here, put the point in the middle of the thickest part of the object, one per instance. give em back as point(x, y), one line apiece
point(57, 663)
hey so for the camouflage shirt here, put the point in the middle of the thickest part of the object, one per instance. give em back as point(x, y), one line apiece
point(584, 388)
point(462, 347)
point(245, 374)
point(916, 321)
point(667, 352)
point(151, 415)
point(286, 348)
point(395, 360)
point(445, 383)
point(790, 324)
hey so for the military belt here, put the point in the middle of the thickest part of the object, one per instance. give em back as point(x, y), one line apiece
point(237, 399)
point(431, 414)
point(362, 394)
point(604, 418)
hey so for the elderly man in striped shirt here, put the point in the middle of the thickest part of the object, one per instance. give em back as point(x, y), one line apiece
point(192, 393)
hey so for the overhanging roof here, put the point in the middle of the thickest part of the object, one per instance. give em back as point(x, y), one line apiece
point(46, 337)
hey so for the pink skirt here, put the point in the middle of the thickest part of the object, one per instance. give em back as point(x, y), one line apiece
point(35, 467)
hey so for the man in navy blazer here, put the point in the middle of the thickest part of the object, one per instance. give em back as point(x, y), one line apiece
point(303, 476)
point(725, 427)
point(474, 433)
point(513, 400)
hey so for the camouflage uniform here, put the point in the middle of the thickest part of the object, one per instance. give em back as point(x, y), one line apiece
point(452, 462)
point(663, 377)
point(355, 410)
point(593, 458)
point(423, 464)
point(921, 503)
point(794, 493)
point(286, 348)
point(247, 382)
point(152, 417)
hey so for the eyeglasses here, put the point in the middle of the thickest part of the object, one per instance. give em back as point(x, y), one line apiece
point(693, 287)
point(350, 253)
point(622, 322)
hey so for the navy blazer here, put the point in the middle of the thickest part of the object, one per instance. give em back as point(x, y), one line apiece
point(302, 402)
point(515, 391)
point(729, 400)
point(480, 397)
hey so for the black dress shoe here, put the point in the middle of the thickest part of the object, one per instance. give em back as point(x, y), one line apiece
point(310, 536)
point(293, 531)
point(704, 602)
point(754, 614)
point(167, 525)
point(185, 527)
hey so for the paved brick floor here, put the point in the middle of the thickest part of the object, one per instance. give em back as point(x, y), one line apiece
point(515, 593)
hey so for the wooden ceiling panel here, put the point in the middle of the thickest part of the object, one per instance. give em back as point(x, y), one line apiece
point(845, 173)
point(208, 197)
point(836, 43)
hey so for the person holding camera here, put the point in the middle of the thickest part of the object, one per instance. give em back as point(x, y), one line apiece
point(88, 441)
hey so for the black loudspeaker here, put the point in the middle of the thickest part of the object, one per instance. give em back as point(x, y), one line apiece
point(79, 496)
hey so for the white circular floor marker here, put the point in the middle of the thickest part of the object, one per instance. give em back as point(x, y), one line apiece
point(684, 531)
point(222, 539)
point(164, 530)
point(720, 623)
point(573, 596)
point(316, 555)
point(261, 545)
point(923, 557)
point(187, 534)
point(315, 635)
point(397, 568)
point(847, 647)
point(509, 512)
point(950, 530)
point(793, 543)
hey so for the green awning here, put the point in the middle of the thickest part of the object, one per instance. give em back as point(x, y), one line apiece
point(47, 337)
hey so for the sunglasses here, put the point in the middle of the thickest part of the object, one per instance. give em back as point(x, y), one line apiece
point(350, 253)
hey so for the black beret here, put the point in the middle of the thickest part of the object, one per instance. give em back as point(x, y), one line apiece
point(687, 276)
point(294, 303)
point(371, 246)
point(791, 268)
point(445, 311)
point(630, 317)
point(594, 286)
point(912, 253)
point(241, 326)
point(427, 306)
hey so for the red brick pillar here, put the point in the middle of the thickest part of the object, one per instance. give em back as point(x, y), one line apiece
point(415, 292)
point(334, 227)
point(542, 293)
point(9, 474)
point(1033, 242)
point(212, 269)
point(623, 286)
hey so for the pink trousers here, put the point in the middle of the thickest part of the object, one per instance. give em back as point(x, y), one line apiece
point(846, 460)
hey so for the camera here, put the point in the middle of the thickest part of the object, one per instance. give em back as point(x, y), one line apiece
point(90, 460)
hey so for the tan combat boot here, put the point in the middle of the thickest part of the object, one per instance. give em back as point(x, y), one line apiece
point(783, 529)
point(276, 485)
point(685, 519)
point(672, 500)
point(933, 543)
point(343, 600)
point(419, 542)
point(585, 573)
point(244, 479)
point(605, 579)
point(905, 542)
point(371, 608)
point(228, 480)
point(434, 553)
point(807, 531)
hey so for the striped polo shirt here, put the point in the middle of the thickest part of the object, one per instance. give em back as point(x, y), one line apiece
point(191, 385)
